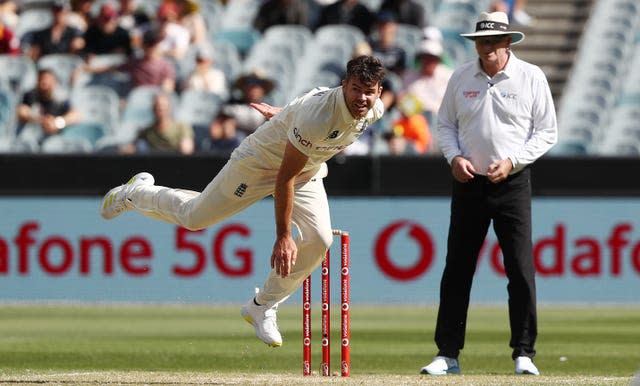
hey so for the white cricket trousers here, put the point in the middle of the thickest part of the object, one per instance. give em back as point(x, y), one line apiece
point(237, 186)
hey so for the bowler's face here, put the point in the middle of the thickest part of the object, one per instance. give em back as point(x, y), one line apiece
point(360, 97)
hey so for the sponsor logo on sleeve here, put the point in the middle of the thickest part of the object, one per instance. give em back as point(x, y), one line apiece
point(302, 141)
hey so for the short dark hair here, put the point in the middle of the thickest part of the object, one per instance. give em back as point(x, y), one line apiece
point(367, 69)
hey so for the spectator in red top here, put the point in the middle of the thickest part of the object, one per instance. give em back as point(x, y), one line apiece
point(9, 42)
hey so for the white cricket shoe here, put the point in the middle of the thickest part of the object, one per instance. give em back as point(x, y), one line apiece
point(263, 319)
point(115, 201)
point(441, 366)
point(524, 365)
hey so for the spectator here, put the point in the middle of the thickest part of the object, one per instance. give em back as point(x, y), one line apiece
point(515, 9)
point(80, 14)
point(412, 127)
point(45, 110)
point(274, 12)
point(253, 87)
point(350, 12)
point(433, 33)
point(133, 19)
point(206, 77)
point(9, 14)
point(9, 42)
point(59, 38)
point(429, 82)
point(190, 17)
point(223, 137)
point(406, 11)
point(385, 46)
point(152, 69)
point(105, 36)
point(176, 37)
point(165, 134)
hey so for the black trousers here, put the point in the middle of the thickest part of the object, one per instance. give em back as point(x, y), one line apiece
point(473, 206)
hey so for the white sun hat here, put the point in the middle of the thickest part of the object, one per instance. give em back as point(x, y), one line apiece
point(492, 24)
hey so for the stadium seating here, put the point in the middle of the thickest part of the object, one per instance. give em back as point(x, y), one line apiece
point(18, 72)
point(138, 110)
point(90, 132)
point(7, 112)
point(408, 37)
point(59, 144)
point(591, 106)
point(97, 105)
point(31, 20)
point(226, 57)
point(63, 65)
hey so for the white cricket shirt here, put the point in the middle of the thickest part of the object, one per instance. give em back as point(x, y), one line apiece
point(488, 119)
point(318, 124)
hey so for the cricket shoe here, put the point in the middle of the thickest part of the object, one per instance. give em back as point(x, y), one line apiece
point(524, 365)
point(115, 202)
point(263, 319)
point(441, 366)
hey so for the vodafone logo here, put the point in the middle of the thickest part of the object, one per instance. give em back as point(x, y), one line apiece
point(384, 254)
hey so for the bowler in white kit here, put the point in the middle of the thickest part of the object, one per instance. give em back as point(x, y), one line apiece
point(285, 157)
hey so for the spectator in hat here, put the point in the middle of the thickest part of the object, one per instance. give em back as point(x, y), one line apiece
point(350, 12)
point(252, 88)
point(223, 137)
point(385, 45)
point(105, 36)
point(59, 38)
point(206, 77)
point(429, 82)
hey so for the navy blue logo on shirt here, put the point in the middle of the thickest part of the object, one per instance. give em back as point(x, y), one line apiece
point(241, 190)
point(302, 141)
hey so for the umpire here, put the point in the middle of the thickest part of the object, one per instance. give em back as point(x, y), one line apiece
point(497, 117)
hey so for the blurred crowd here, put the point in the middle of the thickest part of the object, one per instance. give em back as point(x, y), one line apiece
point(77, 48)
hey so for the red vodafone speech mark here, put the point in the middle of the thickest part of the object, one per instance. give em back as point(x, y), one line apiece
point(420, 236)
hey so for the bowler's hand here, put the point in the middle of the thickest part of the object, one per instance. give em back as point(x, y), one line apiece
point(284, 255)
point(266, 109)
point(462, 169)
point(499, 171)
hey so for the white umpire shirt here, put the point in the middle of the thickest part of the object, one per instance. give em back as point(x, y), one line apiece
point(318, 124)
point(487, 119)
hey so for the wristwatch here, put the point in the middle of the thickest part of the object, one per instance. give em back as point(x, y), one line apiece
point(60, 123)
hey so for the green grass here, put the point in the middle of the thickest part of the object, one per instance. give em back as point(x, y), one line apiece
point(596, 341)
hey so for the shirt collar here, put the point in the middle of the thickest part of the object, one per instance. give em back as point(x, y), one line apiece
point(505, 73)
